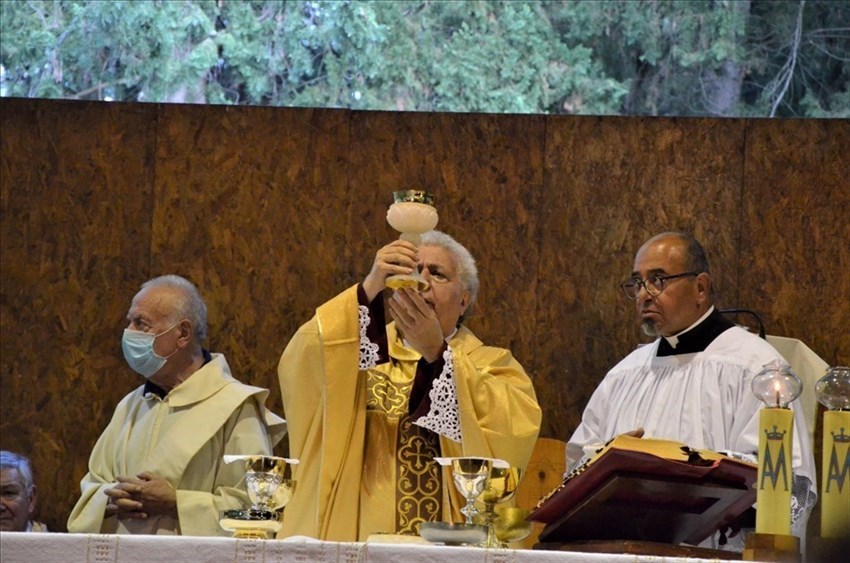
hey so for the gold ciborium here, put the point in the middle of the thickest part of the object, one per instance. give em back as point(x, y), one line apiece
point(268, 489)
point(500, 488)
point(412, 213)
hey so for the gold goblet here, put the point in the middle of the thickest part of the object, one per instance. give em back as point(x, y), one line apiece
point(471, 476)
point(412, 213)
point(500, 488)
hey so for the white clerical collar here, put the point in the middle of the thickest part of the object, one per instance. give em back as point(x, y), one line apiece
point(674, 340)
point(449, 337)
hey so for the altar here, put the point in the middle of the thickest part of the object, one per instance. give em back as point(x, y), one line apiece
point(96, 548)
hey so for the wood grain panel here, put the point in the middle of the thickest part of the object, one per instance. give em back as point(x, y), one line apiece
point(795, 248)
point(610, 184)
point(250, 205)
point(76, 186)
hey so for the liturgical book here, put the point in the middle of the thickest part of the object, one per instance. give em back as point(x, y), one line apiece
point(649, 490)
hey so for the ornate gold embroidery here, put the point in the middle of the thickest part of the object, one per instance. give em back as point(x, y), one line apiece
point(384, 395)
point(419, 485)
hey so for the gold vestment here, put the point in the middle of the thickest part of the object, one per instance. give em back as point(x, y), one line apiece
point(357, 474)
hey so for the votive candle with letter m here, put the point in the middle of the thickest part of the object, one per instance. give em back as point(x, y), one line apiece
point(776, 385)
point(833, 392)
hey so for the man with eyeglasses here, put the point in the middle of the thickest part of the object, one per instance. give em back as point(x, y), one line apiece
point(692, 384)
point(371, 404)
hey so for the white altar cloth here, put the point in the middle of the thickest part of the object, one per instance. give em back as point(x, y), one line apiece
point(19, 547)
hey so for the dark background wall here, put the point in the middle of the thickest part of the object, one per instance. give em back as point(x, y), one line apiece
point(272, 211)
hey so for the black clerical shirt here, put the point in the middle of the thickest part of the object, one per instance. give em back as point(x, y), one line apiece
point(698, 338)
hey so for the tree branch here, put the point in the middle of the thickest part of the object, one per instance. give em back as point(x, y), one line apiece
point(79, 95)
point(792, 61)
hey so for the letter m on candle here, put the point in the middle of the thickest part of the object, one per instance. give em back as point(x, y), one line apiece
point(774, 449)
point(773, 504)
point(836, 472)
point(835, 493)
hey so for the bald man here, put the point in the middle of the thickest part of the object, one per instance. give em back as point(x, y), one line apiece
point(692, 384)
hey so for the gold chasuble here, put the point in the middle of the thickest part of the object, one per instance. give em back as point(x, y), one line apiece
point(365, 467)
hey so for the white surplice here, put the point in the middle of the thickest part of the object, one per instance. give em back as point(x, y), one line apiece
point(702, 399)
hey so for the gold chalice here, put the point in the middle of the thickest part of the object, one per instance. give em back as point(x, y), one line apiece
point(471, 476)
point(500, 488)
point(268, 490)
point(412, 213)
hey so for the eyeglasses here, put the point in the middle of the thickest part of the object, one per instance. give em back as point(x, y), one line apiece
point(653, 285)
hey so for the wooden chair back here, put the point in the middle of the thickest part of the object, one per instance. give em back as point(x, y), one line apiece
point(545, 471)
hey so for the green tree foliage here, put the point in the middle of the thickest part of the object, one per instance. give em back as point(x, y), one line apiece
point(643, 57)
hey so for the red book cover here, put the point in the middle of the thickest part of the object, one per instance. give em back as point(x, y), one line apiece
point(650, 490)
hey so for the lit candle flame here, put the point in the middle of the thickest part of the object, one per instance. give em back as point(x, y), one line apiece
point(777, 389)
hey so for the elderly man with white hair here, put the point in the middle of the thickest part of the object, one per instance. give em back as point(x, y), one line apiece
point(17, 495)
point(370, 405)
point(158, 467)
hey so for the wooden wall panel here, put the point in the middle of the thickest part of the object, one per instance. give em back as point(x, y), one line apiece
point(248, 206)
point(610, 184)
point(76, 190)
point(795, 248)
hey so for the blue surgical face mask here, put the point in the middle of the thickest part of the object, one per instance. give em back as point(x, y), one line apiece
point(138, 351)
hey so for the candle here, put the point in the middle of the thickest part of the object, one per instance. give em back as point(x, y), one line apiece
point(776, 385)
point(773, 495)
point(833, 391)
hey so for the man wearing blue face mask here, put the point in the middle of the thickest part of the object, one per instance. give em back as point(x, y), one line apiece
point(158, 468)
